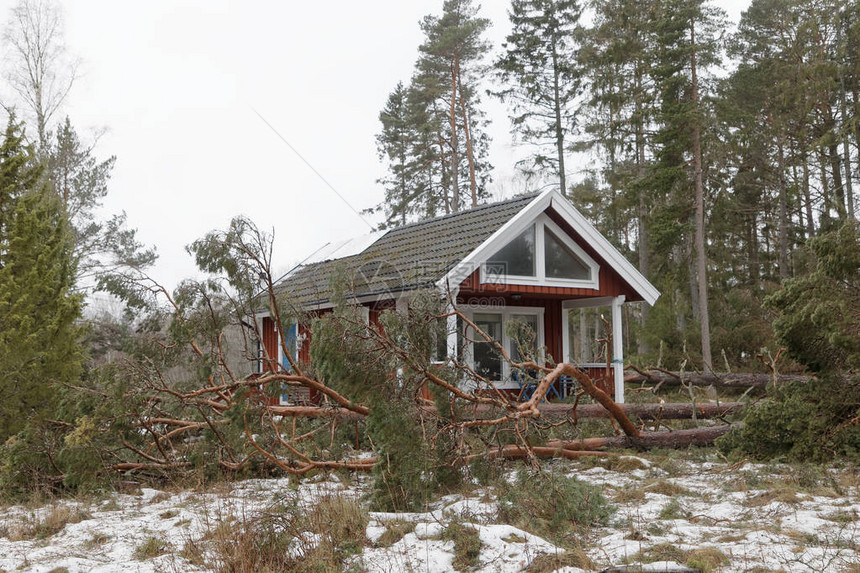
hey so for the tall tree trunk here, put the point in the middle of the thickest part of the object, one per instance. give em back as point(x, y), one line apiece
point(855, 93)
point(559, 132)
point(807, 195)
point(836, 170)
point(846, 151)
point(692, 275)
point(825, 187)
point(752, 249)
point(801, 221)
point(644, 262)
point(446, 191)
point(783, 213)
point(470, 154)
point(455, 158)
point(701, 264)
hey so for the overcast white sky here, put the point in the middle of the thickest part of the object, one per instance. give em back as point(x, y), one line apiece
point(177, 82)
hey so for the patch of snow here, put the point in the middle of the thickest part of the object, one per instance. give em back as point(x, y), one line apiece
point(815, 533)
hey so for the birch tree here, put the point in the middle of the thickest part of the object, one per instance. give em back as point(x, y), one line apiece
point(38, 67)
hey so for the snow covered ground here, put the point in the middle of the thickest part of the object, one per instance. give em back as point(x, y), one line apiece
point(752, 518)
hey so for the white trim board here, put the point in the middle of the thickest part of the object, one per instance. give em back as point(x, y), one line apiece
point(541, 223)
point(529, 214)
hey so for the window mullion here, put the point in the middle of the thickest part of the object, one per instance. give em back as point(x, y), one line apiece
point(540, 254)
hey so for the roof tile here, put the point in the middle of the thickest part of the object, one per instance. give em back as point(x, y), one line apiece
point(405, 258)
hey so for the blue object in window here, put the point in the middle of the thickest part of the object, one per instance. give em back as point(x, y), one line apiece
point(290, 337)
point(290, 340)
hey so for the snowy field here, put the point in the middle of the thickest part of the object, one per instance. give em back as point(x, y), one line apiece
point(747, 518)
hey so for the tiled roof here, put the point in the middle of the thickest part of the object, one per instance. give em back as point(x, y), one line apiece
point(405, 258)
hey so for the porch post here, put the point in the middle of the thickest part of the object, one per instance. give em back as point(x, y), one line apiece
point(565, 333)
point(451, 328)
point(618, 348)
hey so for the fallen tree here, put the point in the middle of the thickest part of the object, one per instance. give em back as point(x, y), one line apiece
point(591, 446)
point(661, 411)
point(370, 413)
point(737, 381)
point(650, 412)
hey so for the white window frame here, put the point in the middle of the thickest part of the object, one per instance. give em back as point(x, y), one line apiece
point(541, 223)
point(507, 312)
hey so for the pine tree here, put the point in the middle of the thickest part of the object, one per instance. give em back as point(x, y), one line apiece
point(432, 139)
point(399, 146)
point(540, 70)
point(81, 180)
point(447, 69)
point(686, 33)
point(39, 330)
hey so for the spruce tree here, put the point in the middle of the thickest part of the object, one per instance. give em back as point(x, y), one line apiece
point(39, 330)
point(616, 57)
point(542, 77)
point(397, 146)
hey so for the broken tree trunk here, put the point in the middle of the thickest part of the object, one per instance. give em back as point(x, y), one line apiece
point(670, 411)
point(740, 381)
point(589, 446)
point(646, 440)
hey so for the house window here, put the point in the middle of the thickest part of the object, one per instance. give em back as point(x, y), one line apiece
point(291, 338)
point(561, 262)
point(291, 334)
point(523, 334)
point(542, 254)
point(519, 330)
point(488, 361)
point(517, 257)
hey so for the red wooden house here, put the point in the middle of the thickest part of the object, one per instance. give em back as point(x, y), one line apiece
point(531, 259)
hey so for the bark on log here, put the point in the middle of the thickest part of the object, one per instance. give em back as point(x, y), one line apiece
point(647, 440)
point(740, 381)
point(315, 412)
point(670, 411)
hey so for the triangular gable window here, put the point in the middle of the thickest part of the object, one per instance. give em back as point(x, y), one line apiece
point(517, 258)
point(561, 262)
point(542, 254)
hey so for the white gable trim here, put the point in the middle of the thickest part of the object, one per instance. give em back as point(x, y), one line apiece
point(542, 223)
point(507, 232)
point(518, 223)
point(605, 249)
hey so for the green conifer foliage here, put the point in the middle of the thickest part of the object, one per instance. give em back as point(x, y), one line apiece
point(819, 324)
point(542, 76)
point(39, 333)
point(820, 321)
